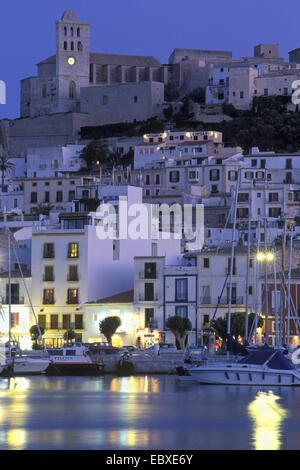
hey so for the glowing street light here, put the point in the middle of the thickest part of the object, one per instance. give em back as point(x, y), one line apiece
point(261, 256)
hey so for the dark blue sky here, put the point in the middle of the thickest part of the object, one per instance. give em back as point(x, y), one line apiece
point(149, 27)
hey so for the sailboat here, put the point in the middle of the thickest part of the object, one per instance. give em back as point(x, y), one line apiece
point(22, 362)
point(252, 367)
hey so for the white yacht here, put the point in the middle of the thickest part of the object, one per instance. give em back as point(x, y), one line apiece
point(260, 367)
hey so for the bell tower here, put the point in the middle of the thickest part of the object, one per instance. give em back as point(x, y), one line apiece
point(72, 60)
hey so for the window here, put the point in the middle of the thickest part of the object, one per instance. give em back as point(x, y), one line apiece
point(47, 196)
point(242, 212)
point(263, 163)
point(157, 179)
point(147, 179)
point(241, 94)
point(49, 273)
point(149, 291)
point(275, 212)
point(72, 296)
point(78, 32)
point(65, 45)
point(181, 311)
point(214, 188)
point(72, 90)
point(42, 321)
point(33, 197)
point(249, 175)
point(48, 296)
point(72, 46)
point(205, 262)
point(105, 100)
point(53, 322)
point(59, 196)
point(180, 289)
point(288, 164)
point(66, 322)
point(71, 196)
point(253, 162)
point(243, 197)
point(232, 175)
point(79, 46)
point(266, 92)
point(214, 175)
point(78, 322)
point(65, 31)
point(49, 250)
point(149, 317)
point(150, 271)
point(174, 177)
point(44, 91)
point(135, 99)
point(71, 32)
point(73, 273)
point(14, 319)
point(273, 197)
point(73, 250)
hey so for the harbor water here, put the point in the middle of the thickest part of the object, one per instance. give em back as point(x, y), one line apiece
point(144, 412)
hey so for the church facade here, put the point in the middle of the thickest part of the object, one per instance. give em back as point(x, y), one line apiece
point(60, 78)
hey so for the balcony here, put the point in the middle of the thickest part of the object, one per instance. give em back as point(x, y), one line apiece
point(143, 275)
point(14, 300)
point(143, 298)
point(153, 324)
point(74, 301)
point(47, 278)
point(234, 300)
point(73, 278)
point(205, 300)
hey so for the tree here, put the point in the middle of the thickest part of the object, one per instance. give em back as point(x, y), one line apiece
point(96, 151)
point(237, 324)
point(35, 332)
point(6, 165)
point(44, 208)
point(180, 328)
point(69, 335)
point(108, 327)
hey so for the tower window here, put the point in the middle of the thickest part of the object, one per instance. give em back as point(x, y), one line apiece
point(65, 31)
point(72, 32)
point(78, 32)
point(65, 45)
point(44, 91)
point(72, 90)
point(72, 46)
point(79, 46)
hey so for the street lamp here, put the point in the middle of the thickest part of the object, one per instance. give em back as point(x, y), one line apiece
point(266, 257)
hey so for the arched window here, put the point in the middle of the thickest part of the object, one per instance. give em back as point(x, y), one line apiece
point(71, 32)
point(78, 32)
point(65, 31)
point(65, 45)
point(72, 46)
point(79, 45)
point(72, 90)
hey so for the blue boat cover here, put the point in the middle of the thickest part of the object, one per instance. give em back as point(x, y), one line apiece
point(260, 356)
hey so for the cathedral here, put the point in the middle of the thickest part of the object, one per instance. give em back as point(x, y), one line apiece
point(60, 78)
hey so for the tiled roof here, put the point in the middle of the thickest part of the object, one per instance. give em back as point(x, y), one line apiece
point(121, 298)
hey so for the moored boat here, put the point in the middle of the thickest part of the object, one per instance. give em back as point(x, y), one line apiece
point(261, 367)
point(74, 360)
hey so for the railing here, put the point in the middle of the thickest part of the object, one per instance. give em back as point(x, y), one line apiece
point(152, 324)
point(234, 300)
point(143, 275)
point(48, 302)
point(227, 271)
point(14, 300)
point(48, 278)
point(72, 301)
point(205, 300)
point(143, 298)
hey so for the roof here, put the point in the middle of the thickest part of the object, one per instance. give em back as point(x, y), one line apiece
point(121, 298)
point(114, 59)
point(121, 59)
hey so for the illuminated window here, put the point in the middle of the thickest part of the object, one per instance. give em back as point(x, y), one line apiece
point(73, 251)
point(72, 296)
point(48, 296)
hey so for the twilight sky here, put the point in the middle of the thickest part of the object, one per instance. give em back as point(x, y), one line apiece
point(142, 27)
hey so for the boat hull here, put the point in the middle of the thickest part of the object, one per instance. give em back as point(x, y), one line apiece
point(33, 367)
point(75, 369)
point(245, 376)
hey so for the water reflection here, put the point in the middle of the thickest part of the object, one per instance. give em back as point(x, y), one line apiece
point(268, 416)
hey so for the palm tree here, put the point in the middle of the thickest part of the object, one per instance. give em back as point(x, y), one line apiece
point(6, 165)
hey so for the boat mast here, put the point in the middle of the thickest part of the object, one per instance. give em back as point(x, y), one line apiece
point(266, 287)
point(277, 336)
point(289, 287)
point(9, 292)
point(247, 271)
point(232, 256)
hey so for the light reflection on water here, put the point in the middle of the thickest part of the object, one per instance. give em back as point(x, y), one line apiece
point(151, 412)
